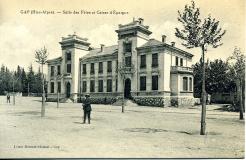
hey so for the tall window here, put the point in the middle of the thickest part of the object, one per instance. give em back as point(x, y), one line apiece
point(68, 56)
point(92, 86)
point(154, 82)
point(109, 85)
point(155, 60)
point(84, 86)
point(92, 68)
point(116, 85)
point(177, 61)
point(52, 71)
point(185, 84)
point(142, 83)
point(143, 61)
point(127, 47)
point(68, 68)
point(58, 70)
point(100, 67)
point(190, 86)
point(116, 66)
point(109, 66)
point(52, 87)
point(84, 69)
point(128, 61)
point(100, 85)
point(59, 87)
point(181, 61)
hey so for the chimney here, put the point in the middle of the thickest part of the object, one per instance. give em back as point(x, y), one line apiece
point(173, 44)
point(163, 38)
point(140, 20)
point(102, 47)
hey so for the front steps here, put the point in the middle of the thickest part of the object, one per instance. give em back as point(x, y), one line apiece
point(127, 102)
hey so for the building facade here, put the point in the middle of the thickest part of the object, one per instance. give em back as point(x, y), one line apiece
point(148, 71)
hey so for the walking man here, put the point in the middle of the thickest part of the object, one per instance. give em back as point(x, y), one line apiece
point(87, 108)
point(8, 98)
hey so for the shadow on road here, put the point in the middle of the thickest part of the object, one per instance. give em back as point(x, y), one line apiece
point(155, 130)
point(78, 122)
point(29, 112)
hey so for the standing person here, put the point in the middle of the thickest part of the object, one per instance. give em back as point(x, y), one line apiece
point(87, 108)
point(8, 98)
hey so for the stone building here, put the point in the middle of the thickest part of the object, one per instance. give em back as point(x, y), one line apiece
point(148, 71)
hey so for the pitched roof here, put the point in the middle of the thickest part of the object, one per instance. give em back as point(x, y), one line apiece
point(109, 50)
point(54, 59)
point(154, 42)
point(151, 42)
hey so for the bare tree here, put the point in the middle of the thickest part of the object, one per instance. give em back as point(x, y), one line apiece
point(41, 56)
point(196, 34)
point(237, 68)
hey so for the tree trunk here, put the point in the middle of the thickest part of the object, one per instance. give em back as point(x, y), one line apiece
point(58, 98)
point(203, 114)
point(13, 92)
point(240, 86)
point(43, 95)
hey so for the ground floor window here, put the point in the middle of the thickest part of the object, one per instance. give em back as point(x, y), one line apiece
point(84, 86)
point(185, 84)
point(52, 87)
point(190, 86)
point(155, 82)
point(116, 85)
point(109, 85)
point(142, 83)
point(100, 86)
point(92, 86)
point(59, 87)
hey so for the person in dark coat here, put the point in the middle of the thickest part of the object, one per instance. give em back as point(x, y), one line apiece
point(87, 108)
point(8, 98)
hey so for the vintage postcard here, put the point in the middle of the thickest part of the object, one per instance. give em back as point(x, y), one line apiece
point(122, 79)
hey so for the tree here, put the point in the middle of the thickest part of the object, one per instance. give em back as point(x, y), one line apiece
point(31, 80)
point(196, 34)
point(41, 56)
point(237, 69)
point(38, 82)
point(18, 84)
point(218, 77)
point(24, 81)
point(197, 72)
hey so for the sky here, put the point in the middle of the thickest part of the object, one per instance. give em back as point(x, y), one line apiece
point(22, 34)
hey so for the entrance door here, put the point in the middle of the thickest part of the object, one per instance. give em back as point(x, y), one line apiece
point(68, 88)
point(127, 88)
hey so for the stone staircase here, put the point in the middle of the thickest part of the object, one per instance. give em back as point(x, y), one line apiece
point(127, 102)
point(66, 100)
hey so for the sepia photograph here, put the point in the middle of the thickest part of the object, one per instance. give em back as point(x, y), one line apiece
point(122, 79)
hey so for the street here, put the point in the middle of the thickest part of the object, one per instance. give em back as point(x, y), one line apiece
point(140, 132)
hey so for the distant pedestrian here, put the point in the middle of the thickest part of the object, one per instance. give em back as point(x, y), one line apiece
point(87, 108)
point(8, 98)
point(208, 99)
